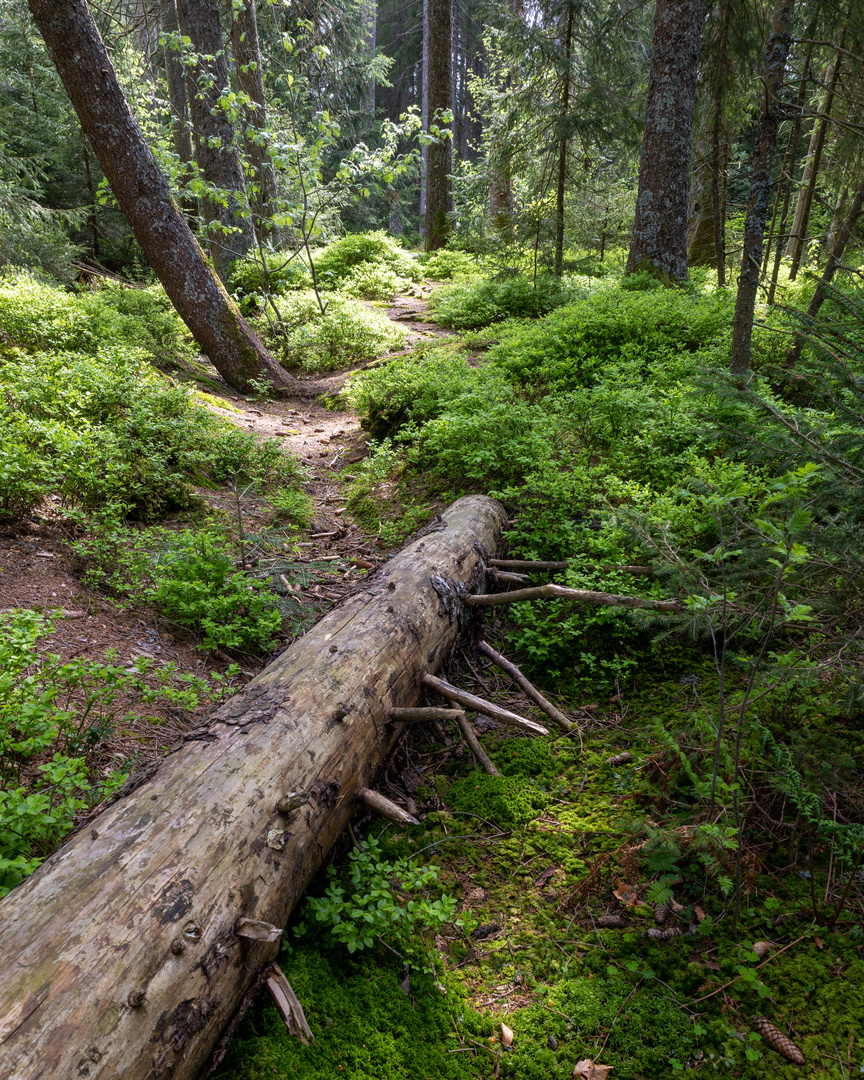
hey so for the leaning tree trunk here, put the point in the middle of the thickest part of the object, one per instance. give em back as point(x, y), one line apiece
point(228, 221)
point(143, 195)
point(120, 956)
point(659, 242)
point(437, 76)
point(250, 81)
point(776, 53)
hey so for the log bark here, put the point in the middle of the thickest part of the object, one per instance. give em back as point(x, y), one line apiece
point(142, 193)
point(143, 904)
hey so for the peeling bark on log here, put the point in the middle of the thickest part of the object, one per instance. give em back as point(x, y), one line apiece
point(119, 957)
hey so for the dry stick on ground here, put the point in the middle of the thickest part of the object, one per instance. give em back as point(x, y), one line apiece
point(145, 899)
point(470, 736)
point(287, 1005)
point(739, 977)
point(582, 596)
point(510, 668)
point(471, 701)
point(533, 564)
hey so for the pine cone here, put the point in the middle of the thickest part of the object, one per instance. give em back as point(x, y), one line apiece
point(607, 921)
point(777, 1040)
point(663, 935)
point(620, 759)
point(661, 913)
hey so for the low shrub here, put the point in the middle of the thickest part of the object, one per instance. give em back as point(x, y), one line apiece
point(470, 305)
point(295, 507)
point(372, 281)
point(338, 259)
point(275, 272)
point(446, 264)
point(347, 333)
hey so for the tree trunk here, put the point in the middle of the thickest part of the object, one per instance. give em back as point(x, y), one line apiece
point(120, 956)
point(801, 221)
point(176, 79)
point(250, 81)
point(143, 195)
point(225, 211)
point(659, 242)
point(562, 146)
point(776, 53)
point(841, 240)
point(437, 74)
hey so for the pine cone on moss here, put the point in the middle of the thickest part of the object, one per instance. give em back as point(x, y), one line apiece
point(777, 1040)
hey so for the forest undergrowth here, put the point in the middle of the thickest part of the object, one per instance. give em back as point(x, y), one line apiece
point(676, 888)
point(634, 893)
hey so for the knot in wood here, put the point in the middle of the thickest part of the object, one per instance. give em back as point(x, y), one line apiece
point(178, 946)
point(291, 802)
point(135, 999)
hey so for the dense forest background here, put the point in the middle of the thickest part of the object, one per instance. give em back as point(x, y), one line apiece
point(281, 280)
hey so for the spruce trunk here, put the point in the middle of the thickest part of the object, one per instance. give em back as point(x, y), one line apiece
point(145, 199)
point(120, 956)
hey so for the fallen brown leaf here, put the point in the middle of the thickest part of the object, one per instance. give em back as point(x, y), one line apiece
point(506, 1036)
point(626, 894)
point(591, 1070)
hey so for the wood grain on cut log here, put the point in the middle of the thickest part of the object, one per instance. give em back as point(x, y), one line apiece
point(143, 906)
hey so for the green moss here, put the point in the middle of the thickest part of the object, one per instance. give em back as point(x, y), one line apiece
point(365, 1028)
point(499, 798)
point(532, 758)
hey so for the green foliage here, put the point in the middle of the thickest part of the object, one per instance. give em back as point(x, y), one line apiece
point(504, 799)
point(273, 272)
point(380, 900)
point(189, 575)
point(576, 345)
point(471, 304)
point(295, 507)
point(346, 333)
point(337, 261)
point(54, 717)
point(371, 281)
point(448, 263)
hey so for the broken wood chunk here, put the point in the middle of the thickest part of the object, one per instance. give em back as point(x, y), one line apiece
point(471, 701)
point(386, 807)
point(287, 1005)
point(419, 715)
point(470, 736)
point(291, 802)
point(582, 596)
point(256, 930)
point(620, 759)
point(539, 700)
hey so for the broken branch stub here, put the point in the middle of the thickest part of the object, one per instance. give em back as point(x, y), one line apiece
point(147, 905)
point(420, 715)
point(287, 1005)
point(471, 701)
point(386, 807)
point(581, 596)
point(534, 564)
point(470, 736)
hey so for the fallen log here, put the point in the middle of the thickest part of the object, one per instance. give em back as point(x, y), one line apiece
point(581, 596)
point(120, 956)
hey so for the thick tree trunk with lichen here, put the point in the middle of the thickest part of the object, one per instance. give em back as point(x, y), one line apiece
point(659, 242)
point(228, 222)
point(776, 53)
point(145, 199)
point(437, 75)
point(122, 956)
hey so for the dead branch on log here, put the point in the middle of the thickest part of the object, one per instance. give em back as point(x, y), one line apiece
point(470, 736)
point(287, 1005)
point(533, 564)
point(471, 701)
point(386, 807)
point(503, 575)
point(530, 689)
point(419, 716)
point(582, 596)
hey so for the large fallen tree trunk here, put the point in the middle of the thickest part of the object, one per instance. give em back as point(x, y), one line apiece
point(120, 957)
